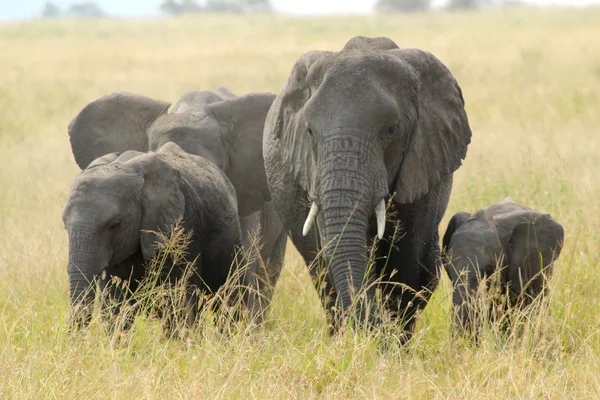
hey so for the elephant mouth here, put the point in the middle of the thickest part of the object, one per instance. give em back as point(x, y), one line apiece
point(379, 215)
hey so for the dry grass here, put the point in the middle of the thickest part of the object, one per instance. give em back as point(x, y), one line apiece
point(531, 79)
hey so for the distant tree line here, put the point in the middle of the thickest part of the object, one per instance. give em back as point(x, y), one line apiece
point(91, 9)
point(424, 5)
point(83, 9)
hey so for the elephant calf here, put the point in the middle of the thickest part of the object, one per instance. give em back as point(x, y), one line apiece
point(515, 241)
point(118, 204)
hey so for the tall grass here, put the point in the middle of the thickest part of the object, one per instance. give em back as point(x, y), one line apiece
point(531, 80)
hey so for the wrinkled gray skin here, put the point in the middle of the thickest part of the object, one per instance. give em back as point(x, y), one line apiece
point(221, 127)
point(118, 198)
point(350, 129)
point(508, 233)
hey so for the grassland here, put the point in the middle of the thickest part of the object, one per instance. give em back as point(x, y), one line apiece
point(531, 80)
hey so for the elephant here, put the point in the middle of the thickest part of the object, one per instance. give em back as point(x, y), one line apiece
point(350, 132)
point(217, 125)
point(513, 241)
point(120, 202)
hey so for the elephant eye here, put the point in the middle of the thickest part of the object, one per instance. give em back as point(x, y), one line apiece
point(393, 129)
point(114, 225)
point(309, 131)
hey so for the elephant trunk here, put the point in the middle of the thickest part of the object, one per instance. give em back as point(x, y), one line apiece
point(462, 311)
point(82, 297)
point(348, 195)
point(82, 269)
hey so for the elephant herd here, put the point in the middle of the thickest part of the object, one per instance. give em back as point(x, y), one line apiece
point(352, 160)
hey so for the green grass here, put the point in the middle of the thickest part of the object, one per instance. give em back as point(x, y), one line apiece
point(531, 83)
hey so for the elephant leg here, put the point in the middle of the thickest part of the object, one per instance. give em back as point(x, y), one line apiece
point(269, 270)
point(175, 310)
point(252, 246)
point(118, 288)
point(272, 251)
point(176, 284)
point(192, 302)
point(415, 256)
point(408, 276)
point(112, 297)
point(399, 293)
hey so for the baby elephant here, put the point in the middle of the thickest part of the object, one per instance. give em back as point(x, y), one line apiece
point(517, 242)
point(119, 202)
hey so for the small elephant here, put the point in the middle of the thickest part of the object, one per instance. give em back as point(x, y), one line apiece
point(119, 202)
point(517, 242)
point(223, 128)
point(351, 133)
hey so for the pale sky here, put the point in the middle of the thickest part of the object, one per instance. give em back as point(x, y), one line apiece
point(23, 9)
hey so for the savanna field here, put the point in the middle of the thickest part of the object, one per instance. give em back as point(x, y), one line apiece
point(531, 82)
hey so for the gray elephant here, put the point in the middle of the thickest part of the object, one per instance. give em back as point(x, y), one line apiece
point(518, 243)
point(119, 202)
point(217, 125)
point(352, 131)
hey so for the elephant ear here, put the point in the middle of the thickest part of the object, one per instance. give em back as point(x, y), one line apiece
point(286, 121)
point(440, 138)
point(163, 201)
point(114, 123)
point(536, 241)
point(243, 120)
point(457, 220)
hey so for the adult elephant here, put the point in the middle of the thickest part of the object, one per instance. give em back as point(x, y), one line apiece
point(350, 131)
point(217, 125)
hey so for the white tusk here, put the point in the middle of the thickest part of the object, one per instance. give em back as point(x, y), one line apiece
point(104, 274)
point(312, 215)
point(380, 214)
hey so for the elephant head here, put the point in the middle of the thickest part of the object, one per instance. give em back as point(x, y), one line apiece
point(111, 207)
point(216, 125)
point(357, 126)
point(532, 242)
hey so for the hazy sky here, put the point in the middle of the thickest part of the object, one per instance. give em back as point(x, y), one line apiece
point(19, 9)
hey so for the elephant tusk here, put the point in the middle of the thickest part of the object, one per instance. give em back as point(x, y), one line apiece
point(380, 214)
point(312, 215)
point(104, 274)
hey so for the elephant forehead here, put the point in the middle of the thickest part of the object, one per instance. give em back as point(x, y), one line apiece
point(503, 208)
point(354, 67)
point(90, 211)
point(110, 180)
point(367, 43)
point(349, 88)
point(475, 236)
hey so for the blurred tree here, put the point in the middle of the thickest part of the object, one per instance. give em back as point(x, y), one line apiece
point(86, 9)
point(402, 5)
point(468, 4)
point(50, 10)
point(174, 7)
